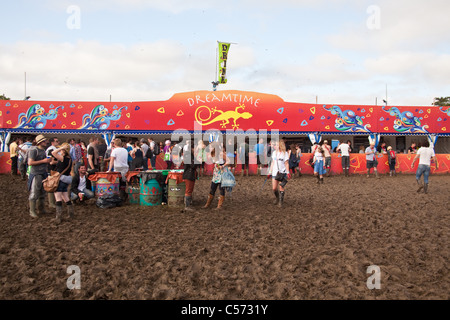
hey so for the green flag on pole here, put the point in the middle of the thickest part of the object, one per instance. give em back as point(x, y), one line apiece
point(223, 56)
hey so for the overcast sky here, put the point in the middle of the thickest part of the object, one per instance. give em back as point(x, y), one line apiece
point(341, 51)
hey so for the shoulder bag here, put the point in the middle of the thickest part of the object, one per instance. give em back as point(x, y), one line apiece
point(51, 182)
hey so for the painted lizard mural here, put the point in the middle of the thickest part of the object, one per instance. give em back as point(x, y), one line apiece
point(224, 116)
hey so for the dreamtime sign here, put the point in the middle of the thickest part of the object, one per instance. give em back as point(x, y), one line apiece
point(220, 110)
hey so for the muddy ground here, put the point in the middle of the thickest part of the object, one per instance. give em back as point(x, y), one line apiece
point(318, 246)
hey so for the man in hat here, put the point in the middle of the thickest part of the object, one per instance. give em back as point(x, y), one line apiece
point(38, 161)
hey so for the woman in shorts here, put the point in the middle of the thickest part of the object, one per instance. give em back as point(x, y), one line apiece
point(63, 166)
point(319, 164)
point(279, 171)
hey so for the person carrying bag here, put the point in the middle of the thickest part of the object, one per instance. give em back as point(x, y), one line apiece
point(279, 170)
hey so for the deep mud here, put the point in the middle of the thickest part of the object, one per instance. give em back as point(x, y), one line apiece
point(318, 246)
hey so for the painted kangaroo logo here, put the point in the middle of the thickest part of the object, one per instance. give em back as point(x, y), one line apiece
point(204, 116)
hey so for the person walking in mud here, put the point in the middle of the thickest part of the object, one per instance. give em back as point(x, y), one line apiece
point(38, 162)
point(319, 164)
point(220, 161)
point(279, 171)
point(425, 155)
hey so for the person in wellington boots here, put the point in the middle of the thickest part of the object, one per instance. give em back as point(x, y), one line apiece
point(279, 171)
point(190, 174)
point(63, 166)
point(38, 162)
point(220, 161)
point(425, 155)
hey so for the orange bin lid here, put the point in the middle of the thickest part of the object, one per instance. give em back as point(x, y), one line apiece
point(110, 176)
point(178, 176)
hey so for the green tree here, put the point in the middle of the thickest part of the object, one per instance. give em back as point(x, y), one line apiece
point(3, 97)
point(442, 101)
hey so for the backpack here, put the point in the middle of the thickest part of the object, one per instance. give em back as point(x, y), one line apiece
point(149, 153)
point(156, 149)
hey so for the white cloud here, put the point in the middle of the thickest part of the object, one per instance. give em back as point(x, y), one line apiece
point(413, 24)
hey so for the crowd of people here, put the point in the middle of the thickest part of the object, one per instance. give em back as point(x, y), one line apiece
point(39, 157)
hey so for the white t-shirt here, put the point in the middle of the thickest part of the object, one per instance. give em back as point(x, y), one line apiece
point(344, 147)
point(144, 148)
point(82, 184)
point(318, 155)
point(425, 155)
point(49, 151)
point(24, 146)
point(370, 157)
point(120, 157)
point(279, 159)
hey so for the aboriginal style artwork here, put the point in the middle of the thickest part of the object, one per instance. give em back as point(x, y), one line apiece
point(406, 121)
point(36, 117)
point(99, 119)
point(348, 120)
point(445, 110)
point(240, 111)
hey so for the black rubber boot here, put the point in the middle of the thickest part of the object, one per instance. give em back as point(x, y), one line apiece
point(277, 197)
point(425, 188)
point(188, 203)
point(280, 203)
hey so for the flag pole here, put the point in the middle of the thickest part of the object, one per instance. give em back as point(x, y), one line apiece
point(217, 60)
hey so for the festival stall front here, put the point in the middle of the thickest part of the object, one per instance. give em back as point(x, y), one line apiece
point(231, 112)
